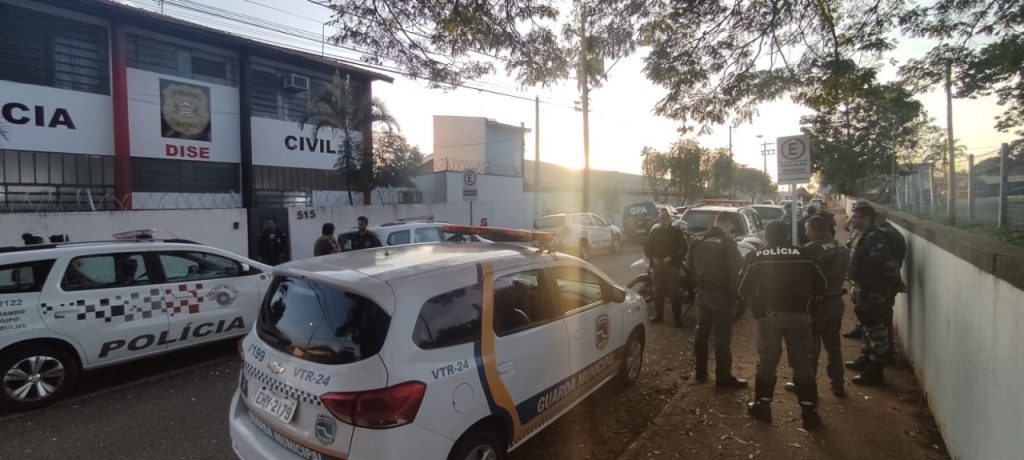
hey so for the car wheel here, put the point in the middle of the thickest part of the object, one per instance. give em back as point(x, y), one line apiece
point(479, 445)
point(616, 247)
point(629, 374)
point(32, 377)
point(584, 250)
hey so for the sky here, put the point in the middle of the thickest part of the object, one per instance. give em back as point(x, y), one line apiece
point(622, 121)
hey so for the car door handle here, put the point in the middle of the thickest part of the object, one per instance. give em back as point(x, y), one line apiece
point(579, 334)
point(505, 368)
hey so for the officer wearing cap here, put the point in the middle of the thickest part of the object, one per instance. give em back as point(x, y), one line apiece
point(780, 282)
point(875, 272)
point(716, 264)
point(666, 249)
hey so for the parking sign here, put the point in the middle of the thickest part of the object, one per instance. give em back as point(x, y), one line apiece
point(794, 156)
point(469, 180)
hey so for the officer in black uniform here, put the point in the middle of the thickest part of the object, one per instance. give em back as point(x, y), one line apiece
point(362, 238)
point(666, 250)
point(875, 272)
point(780, 282)
point(716, 263)
point(832, 258)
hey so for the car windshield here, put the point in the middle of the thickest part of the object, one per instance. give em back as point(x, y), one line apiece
point(549, 222)
point(699, 221)
point(321, 323)
point(769, 213)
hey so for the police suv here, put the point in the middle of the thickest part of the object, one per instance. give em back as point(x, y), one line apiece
point(430, 351)
point(581, 233)
point(73, 306)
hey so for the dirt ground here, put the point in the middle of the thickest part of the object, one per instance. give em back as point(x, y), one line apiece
point(667, 415)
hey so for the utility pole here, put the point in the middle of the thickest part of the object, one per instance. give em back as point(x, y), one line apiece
point(951, 172)
point(536, 157)
point(765, 151)
point(584, 76)
point(730, 141)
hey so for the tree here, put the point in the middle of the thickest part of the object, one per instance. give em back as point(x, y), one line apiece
point(689, 168)
point(859, 130)
point(982, 42)
point(720, 59)
point(341, 110)
point(394, 160)
point(721, 170)
point(749, 182)
point(657, 170)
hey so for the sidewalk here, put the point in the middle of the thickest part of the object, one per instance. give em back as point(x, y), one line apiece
point(877, 422)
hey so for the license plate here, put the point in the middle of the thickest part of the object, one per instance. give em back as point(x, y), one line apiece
point(281, 408)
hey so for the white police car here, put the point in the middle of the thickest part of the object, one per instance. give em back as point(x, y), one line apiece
point(73, 306)
point(581, 233)
point(428, 351)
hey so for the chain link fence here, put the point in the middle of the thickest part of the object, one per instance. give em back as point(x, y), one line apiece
point(989, 188)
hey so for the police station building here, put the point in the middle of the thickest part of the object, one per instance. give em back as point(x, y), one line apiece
point(108, 107)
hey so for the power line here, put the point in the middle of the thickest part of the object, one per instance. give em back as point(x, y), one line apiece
point(300, 34)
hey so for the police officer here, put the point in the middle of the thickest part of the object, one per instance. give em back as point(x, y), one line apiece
point(875, 272)
point(899, 247)
point(666, 250)
point(831, 257)
point(780, 282)
point(326, 244)
point(716, 263)
point(272, 246)
point(362, 238)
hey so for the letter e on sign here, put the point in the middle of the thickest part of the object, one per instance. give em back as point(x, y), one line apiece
point(794, 157)
point(469, 185)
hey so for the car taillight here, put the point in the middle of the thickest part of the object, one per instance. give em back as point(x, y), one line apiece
point(384, 408)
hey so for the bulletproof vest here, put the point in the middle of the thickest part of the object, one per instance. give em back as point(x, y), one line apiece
point(832, 259)
point(872, 261)
point(780, 279)
point(710, 254)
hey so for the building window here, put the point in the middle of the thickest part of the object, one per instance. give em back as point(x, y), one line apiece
point(42, 49)
point(156, 175)
point(45, 181)
point(270, 100)
point(167, 58)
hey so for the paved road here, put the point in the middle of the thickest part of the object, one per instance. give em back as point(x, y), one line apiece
point(170, 407)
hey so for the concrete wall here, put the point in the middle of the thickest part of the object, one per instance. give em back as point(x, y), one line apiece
point(214, 227)
point(962, 324)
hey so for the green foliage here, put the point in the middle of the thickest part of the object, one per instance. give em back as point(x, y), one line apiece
point(858, 130)
point(720, 59)
point(748, 182)
point(982, 42)
point(690, 170)
point(341, 109)
point(394, 160)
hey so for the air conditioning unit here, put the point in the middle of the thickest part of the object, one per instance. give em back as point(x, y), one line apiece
point(294, 83)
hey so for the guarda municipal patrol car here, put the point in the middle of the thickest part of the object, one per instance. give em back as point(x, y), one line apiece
point(73, 306)
point(430, 351)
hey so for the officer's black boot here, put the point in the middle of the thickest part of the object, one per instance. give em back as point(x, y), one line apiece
point(761, 408)
point(809, 416)
point(860, 364)
point(872, 376)
point(856, 333)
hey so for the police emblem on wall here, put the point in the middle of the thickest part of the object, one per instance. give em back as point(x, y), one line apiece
point(326, 428)
point(602, 333)
point(184, 110)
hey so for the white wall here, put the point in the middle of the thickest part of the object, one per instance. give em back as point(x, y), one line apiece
point(963, 330)
point(304, 230)
point(213, 227)
point(459, 138)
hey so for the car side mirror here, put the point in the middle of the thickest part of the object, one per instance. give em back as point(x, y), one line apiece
point(245, 269)
point(616, 295)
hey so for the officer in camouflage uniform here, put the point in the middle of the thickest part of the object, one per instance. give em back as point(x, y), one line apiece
point(875, 272)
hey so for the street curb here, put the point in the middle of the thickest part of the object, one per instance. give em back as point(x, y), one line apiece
point(684, 388)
